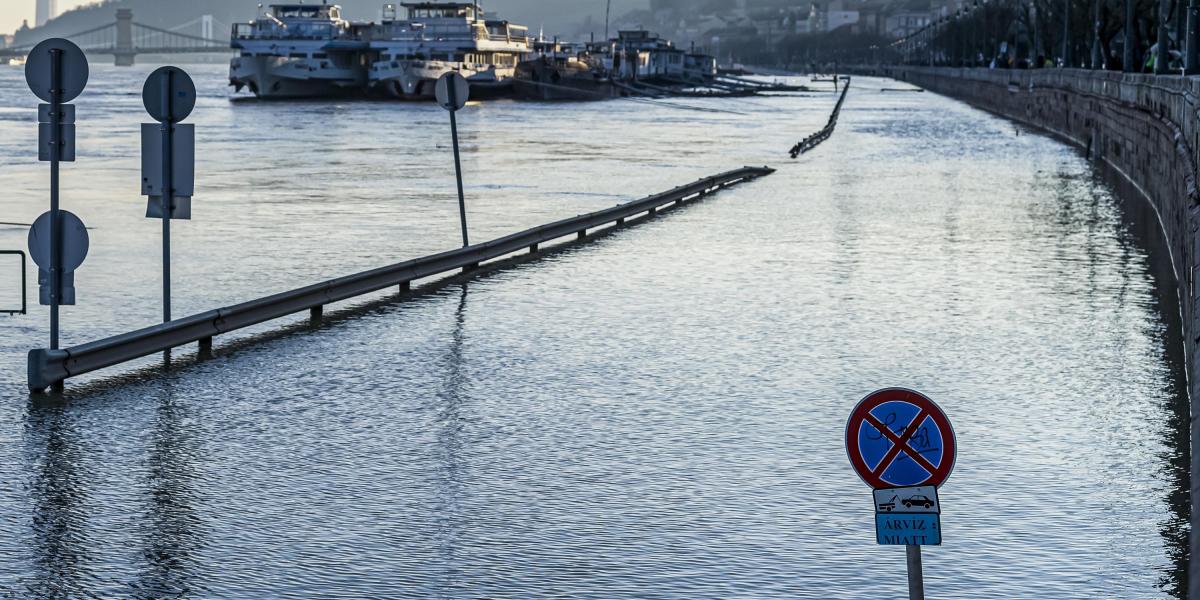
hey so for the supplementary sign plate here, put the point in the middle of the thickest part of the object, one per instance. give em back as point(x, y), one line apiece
point(917, 499)
point(66, 114)
point(918, 529)
point(183, 158)
point(66, 142)
point(897, 437)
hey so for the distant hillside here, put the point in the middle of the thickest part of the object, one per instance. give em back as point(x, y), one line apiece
point(564, 17)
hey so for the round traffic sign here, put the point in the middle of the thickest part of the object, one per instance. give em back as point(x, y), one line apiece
point(74, 241)
point(897, 437)
point(181, 92)
point(73, 68)
point(452, 91)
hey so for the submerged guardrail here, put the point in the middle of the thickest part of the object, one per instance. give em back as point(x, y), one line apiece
point(50, 367)
point(815, 139)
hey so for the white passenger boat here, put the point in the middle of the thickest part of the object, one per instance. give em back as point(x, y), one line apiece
point(438, 37)
point(300, 50)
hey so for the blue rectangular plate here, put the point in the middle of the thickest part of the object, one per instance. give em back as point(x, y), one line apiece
point(894, 529)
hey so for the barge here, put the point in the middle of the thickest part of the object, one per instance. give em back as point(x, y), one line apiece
point(439, 37)
point(298, 51)
point(310, 50)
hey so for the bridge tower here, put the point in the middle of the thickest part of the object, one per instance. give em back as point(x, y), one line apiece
point(124, 52)
point(206, 27)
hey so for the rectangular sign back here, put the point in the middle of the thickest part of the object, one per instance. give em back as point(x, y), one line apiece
point(183, 157)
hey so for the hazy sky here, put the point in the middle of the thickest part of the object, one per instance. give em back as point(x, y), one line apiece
point(12, 12)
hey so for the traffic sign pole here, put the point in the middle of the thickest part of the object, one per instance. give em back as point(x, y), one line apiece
point(169, 96)
point(451, 93)
point(916, 580)
point(55, 220)
point(168, 132)
point(57, 72)
point(462, 204)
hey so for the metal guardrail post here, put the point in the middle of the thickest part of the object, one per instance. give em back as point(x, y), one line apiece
point(24, 284)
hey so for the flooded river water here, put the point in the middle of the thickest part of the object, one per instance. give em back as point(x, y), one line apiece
point(658, 414)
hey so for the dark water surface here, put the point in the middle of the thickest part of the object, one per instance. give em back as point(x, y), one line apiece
point(658, 414)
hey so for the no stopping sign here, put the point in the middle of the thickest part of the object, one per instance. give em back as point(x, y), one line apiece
point(897, 437)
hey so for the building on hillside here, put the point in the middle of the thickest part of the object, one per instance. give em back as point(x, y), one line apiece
point(872, 17)
point(839, 14)
point(801, 23)
point(904, 24)
point(773, 25)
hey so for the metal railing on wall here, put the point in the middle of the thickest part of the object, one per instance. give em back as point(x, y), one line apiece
point(24, 285)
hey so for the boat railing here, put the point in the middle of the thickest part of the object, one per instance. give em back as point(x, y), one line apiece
point(518, 39)
point(263, 30)
point(406, 34)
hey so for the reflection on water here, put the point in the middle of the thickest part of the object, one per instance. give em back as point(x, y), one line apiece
point(657, 414)
point(58, 494)
point(450, 488)
point(172, 527)
point(1174, 460)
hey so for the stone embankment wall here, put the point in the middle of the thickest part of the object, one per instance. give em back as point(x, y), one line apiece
point(1147, 129)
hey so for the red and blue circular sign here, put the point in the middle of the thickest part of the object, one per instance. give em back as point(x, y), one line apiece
point(897, 437)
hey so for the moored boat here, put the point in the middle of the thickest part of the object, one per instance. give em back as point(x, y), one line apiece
point(559, 71)
point(439, 37)
point(299, 50)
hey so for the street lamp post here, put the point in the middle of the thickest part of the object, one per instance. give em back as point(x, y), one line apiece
point(1163, 56)
point(1066, 46)
point(1035, 45)
point(962, 37)
point(975, 35)
point(1191, 65)
point(1127, 57)
point(931, 33)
